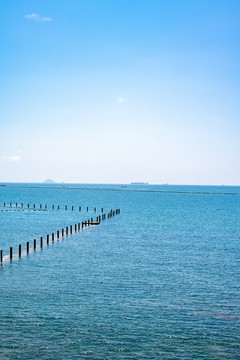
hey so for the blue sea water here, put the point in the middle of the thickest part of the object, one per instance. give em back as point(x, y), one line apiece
point(158, 281)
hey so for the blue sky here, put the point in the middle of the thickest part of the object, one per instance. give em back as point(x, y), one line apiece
point(119, 91)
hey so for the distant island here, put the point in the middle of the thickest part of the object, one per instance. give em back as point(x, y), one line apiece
point(139, 183)
point(49, 181)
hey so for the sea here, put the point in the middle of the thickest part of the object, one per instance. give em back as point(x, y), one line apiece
point(160, 280)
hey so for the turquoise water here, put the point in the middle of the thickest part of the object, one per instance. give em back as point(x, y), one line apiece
point(158, 281)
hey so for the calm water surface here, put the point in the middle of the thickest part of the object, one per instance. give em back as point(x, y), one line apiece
point(159, 281)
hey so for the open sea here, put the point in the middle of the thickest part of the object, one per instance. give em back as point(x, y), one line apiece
point(158, 281)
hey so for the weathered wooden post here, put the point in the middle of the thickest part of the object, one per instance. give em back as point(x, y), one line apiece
point(52, 237)
point(41, 242)
point(28, 206)
point(70, 229)
point(102, 209)
point(78, 226)
point(79, 208)
point(34, 244)
point(87, 208)
point(57, 234)
point(62, 232)
point(1, 256)
point(72, 208)
point(53, 206)
point(65, 207)
point(27, 247)
point(16, 205)
point(47, 239)
point(45, 206)
point(82, 224)
point(75, 227)
point(40, 206)
point(10, 253)
point(34, 206)
point(66, 230)
point(19, 250)
point(95, 209)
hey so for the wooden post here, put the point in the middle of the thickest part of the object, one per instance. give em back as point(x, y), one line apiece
point(66, 230)
point(41, 242)
point(16, 205)
point(58, 207)
point(102, 209)
point(95, 209)
point(28, 206)
point(10, 253)
point(65, 207)
point(82, 224)
point(40, 206)
point(19, 250)
point(27, 247)
point(78, 226)
point(4, 204)
point(52, 237)
point(22, 205)
point(91, 220)
point(72, 208)
point(45, 206)
point(53, 206)
point(34, 244)
point(70, 229)
point(1, 255)
point(62, 232)
point(88, 222)
point(58, 235)
point(75, 227)
point(47, 239)
point(79, 208)
point(34, 206)
point(87, 208)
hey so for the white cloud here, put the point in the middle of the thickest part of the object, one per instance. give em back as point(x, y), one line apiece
point(37, 17)
point(15, 158)
point(121, 99)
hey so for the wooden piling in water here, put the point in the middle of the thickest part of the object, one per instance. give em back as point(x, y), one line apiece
point(78, 226)
point(34, 206)
point(47, 239)
point(19, 250)
point(62, 232)
point(34, 244)
point(87, 208)
point(1, 256)
point(58, 207)
point(10, 253)
point(79, 208)
point(95, 209)
point(52, 237)
point(65, 207)
point(53, 206)
point(27, 247)
point(72, 208)
point(41, 242)
point(70, 229)
point(66, 230)
point(57, 234)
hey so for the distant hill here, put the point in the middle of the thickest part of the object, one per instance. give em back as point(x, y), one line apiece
point(49, 181)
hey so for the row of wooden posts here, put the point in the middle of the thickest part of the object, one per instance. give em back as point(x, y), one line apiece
point(76, 227)
point(46, 207)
